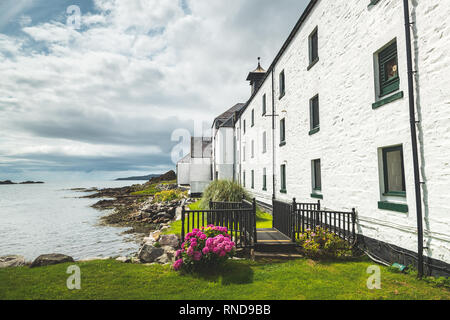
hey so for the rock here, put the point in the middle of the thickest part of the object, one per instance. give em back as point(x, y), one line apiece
point(124, 259)
point(50, 259)
point(149, 253)
point(170, 253)
point(164, 259)
point(170, 240)
point(12, 261)
point(95, 259)
point(155, 235)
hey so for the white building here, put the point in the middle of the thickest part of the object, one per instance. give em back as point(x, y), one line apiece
point(330, 120)
point(195, 169)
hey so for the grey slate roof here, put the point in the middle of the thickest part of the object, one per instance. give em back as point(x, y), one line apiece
point(226, 118)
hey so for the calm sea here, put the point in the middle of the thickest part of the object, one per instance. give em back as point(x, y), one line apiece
point(50, 218)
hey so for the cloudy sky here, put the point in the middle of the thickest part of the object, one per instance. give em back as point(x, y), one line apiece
point(102, 99)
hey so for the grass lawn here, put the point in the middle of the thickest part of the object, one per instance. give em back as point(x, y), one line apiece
point(247, 280)
point(263, 220)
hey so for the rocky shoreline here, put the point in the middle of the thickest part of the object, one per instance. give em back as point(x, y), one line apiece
point(133, 207)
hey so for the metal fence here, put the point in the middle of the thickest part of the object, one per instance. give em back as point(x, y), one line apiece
point(238, 217)
point(294, 219)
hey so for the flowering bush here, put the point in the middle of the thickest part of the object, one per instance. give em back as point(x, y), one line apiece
point(322, 243)
point(206, 246)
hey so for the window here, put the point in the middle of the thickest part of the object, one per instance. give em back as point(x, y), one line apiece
point(243, 178)
point(253, 149)
point(253, 179)
point(264, 105)
point(253, 117)
point(389, 80)
point(313, 48)
point(393, 172)
point(314, 115)
point(243, 153)
point(264, 142)
point(245, 126)
point(282, 84)
point(264, 179)
point(283, 178)
point(282, 132)
point(316, 175)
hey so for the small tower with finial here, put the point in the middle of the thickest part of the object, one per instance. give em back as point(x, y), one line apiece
point(256, 77)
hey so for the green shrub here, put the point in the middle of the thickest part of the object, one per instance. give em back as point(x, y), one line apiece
point(321, 243)
point(169, 195)
point(223, 191)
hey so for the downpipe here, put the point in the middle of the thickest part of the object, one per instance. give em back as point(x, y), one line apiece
point(413, 122)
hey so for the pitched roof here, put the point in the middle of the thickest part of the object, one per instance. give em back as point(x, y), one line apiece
point(227, 115)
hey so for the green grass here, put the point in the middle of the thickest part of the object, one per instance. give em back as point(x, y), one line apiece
point(150, 191)
point(263, 220)
point(292, 280)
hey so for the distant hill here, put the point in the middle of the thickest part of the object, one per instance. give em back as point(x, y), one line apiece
point(141, 178)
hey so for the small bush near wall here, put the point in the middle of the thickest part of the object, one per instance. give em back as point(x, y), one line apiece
point(321, 243)
point(204, 248)
point(223, 191)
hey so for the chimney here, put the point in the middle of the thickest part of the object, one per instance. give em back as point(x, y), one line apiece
point(256, 77)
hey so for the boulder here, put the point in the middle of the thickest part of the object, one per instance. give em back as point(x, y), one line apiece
point(50, 259)
point(170, 253)
point(149, 253)
point(170, 240)
point(164, 259)
point(12, 261)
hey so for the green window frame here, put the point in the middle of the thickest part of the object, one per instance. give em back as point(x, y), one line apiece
point(388, 191)
point(283, 178)
point(313, 46)
point(314, 115)
point(264, 105)
point(282, 84)
point(388, 73)
point(317, 175)
point(282, 132)
point(264, 179)
point(253, 179)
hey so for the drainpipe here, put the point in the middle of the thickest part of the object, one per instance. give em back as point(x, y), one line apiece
point(273, 137)
point(413, 122)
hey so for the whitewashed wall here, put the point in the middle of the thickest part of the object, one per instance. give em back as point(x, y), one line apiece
point(183, 173)
point(432, 61)
point(224, 153)
point(261, 160)
point(351, 132)
point(200, 174)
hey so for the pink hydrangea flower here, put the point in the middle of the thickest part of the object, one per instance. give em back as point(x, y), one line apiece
point(177, 265)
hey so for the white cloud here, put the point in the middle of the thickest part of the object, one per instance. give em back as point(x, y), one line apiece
point(135, 69)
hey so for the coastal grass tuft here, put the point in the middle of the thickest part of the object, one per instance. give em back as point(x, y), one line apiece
point(237, 280)
point(223, 191)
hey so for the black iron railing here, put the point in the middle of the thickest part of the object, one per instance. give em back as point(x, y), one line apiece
point(238, 217)
point(294, 219)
